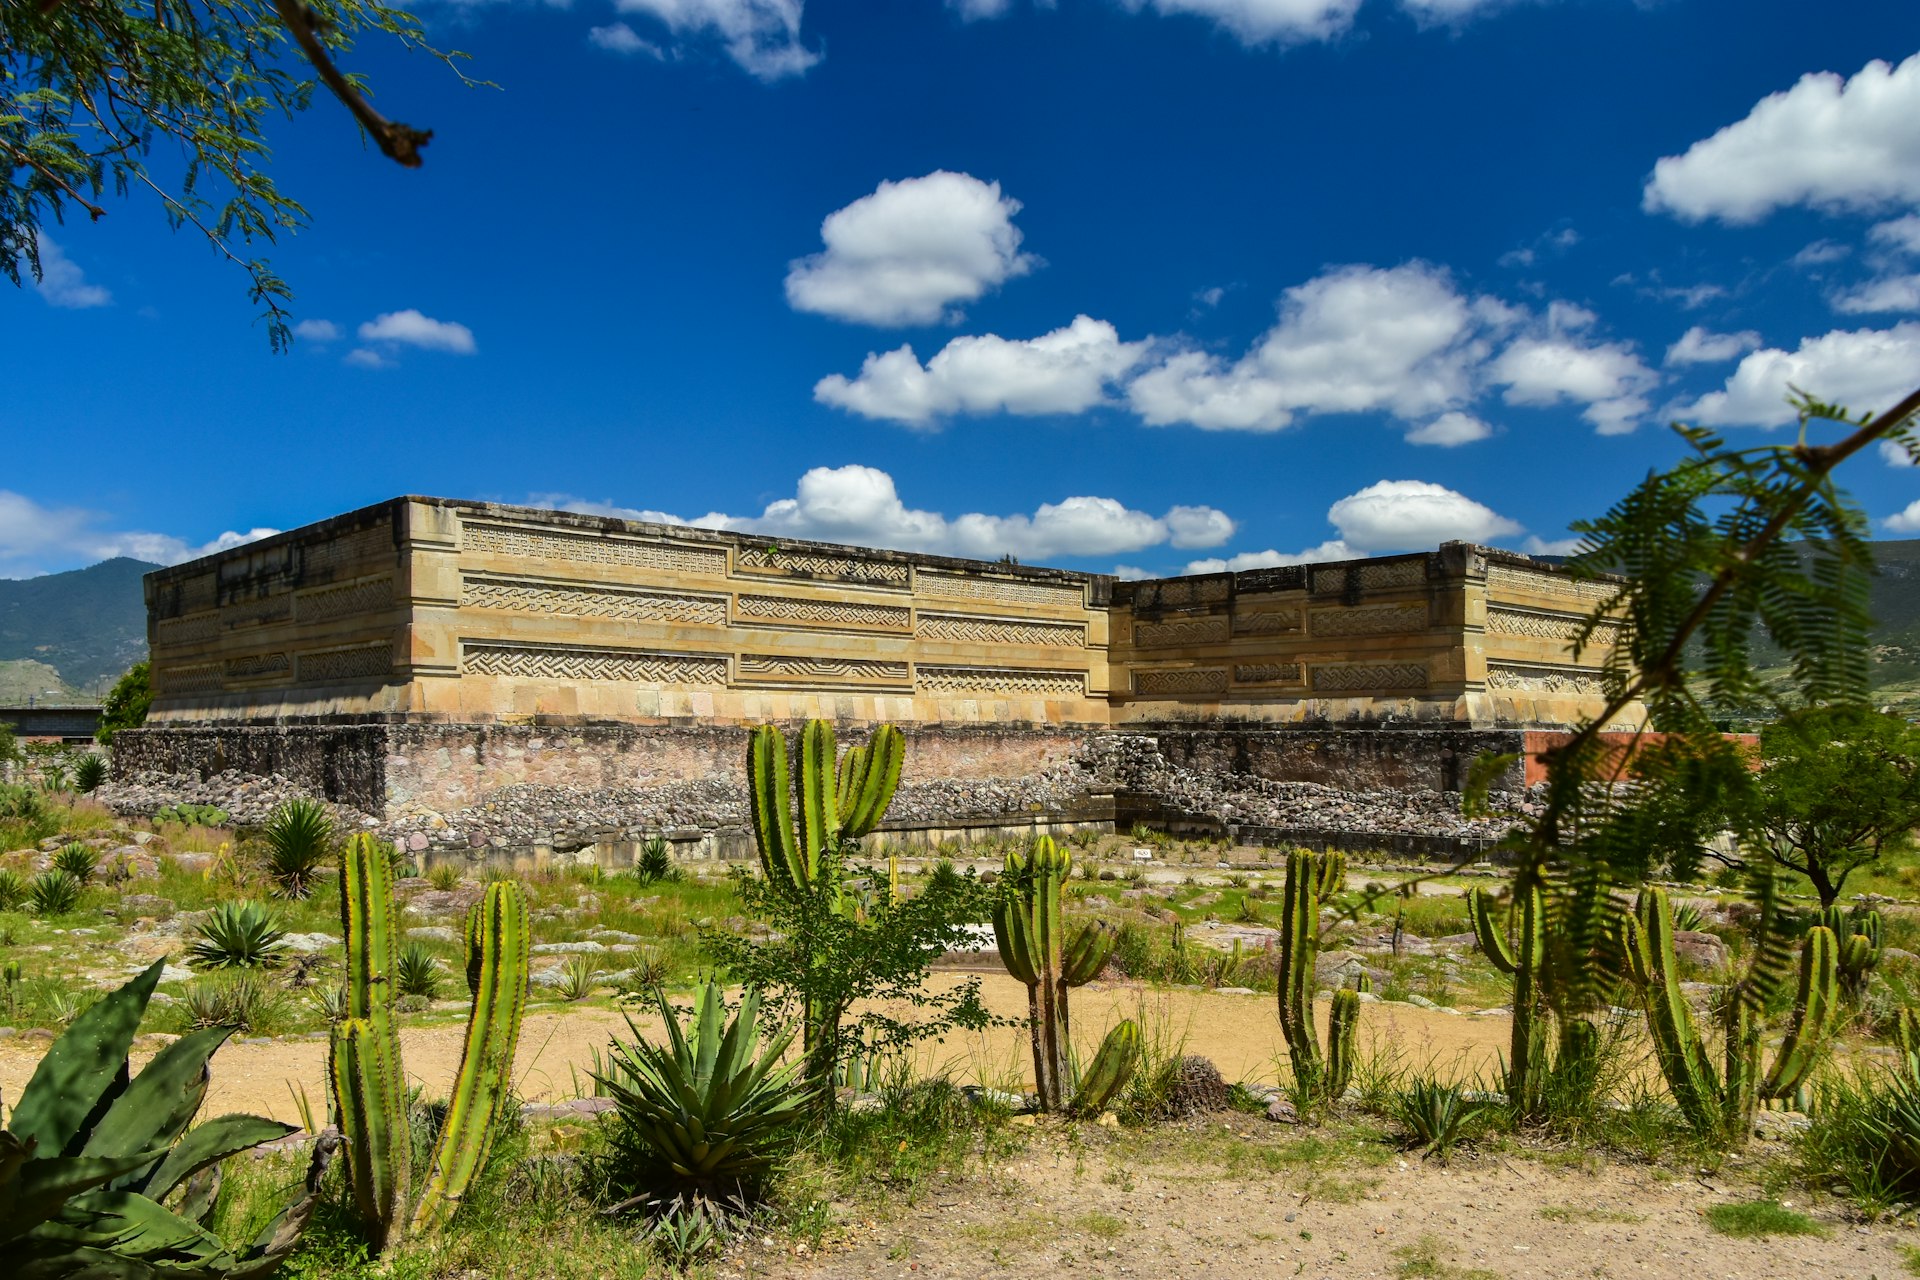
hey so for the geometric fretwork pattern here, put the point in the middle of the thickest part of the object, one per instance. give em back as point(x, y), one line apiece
point(1370, 620)
point(529, 544)
point(770, 666)
point(557, 662)
point(1181, 680)
point(892, 617)
point(1063, 684)
point(1356, 676)
point(1267, 673)
point(1544, 680)
point(970, 630)
point(889, 572)
point(342, 602)
point(1162, 635)
point(591, 602)
point(1545, 626)
point(347, 664)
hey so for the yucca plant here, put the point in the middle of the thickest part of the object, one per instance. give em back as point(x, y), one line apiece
point(707, 1113)
point(13, 889)
point(237, 935)
point(576, 978)
point(415, 972)
point(78, 861)
point(53, 893)
point(299, 836)
point(443, 876)
point(655, 863)
point(101, 1173)
point(240, 999)
point(89, 771)
point(1437, 1116)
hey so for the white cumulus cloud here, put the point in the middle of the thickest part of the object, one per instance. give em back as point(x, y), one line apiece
point(1863, 369)
point(1702, 346)
point(1355, 339)
point(409, 328)
point(1390, 515)
point(36, 539)
point(860, 505)
point(1828, 143)
point(1558, 362)
point(761, 36)
point(1906, 520)
point(910, 252)
point(62, 283)
point(317, 331)
point(1450, 430)
point(1258, 22)
point(1066, 371)
point(1888, 293)
point(618, 37)
point(1900, 234)
point(1895, 454)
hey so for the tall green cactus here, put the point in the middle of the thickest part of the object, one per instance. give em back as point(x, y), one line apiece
point(1040, 952)
point(1109, 1071)
point(1858, 935)
point(368, 1078)
point(1521, 959)
point(1310, 881)
point(1720, 1104)
point(843, 801)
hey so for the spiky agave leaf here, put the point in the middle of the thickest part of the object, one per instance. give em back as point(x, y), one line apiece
point(299, 836)
point(238, 935)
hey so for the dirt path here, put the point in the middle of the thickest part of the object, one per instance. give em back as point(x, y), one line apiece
point(1235, 1200)
point(1239, 1032)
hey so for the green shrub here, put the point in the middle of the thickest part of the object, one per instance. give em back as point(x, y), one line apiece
point(243, 999)
point(415, 973)
point(237, 935)
point(576, 978)
point(21, 802)
point(192, 815)
point(655, 863)
point(89, 771)
point(13, 889)
point(707, 1114)
point(299, 836)
point(78, 861)
point(1438, 1116)
point(53, 893)
point(443, 876)
point(127, 704)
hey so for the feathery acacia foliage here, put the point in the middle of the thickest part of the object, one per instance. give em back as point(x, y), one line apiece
point(86, 89)
point(1728, 544)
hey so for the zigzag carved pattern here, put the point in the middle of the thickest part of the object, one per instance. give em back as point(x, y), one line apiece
point(1370, 576)
point(205, 677)
point(258, 664)
point(541, 662)
point(1345, 678)
point(344, 664)
point(954, 626)
point(202, 626)
point(775, 666)
point(1173, 592)
point(1156, 635)
point(1270, 623)
point(344, 602)
point(1064, 684)
point(1181, 680)
point(966, 588)
point(1370, 620)
point(1505, 578)
point(369, 547)
point(891, 572)
point(530, 544)
point(1544, 680)
point(893, 617)
point(1267, 673)
point(591, 602)
point(1545, 626)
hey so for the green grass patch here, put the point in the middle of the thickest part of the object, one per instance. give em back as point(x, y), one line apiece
point(1758, 1219)
point(1421, 1260)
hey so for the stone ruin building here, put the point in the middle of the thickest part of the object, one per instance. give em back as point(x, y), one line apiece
point(478, 679)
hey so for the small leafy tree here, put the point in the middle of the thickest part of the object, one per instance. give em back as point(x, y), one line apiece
point(838, 934)
point(1838, 787)
point(128, 702)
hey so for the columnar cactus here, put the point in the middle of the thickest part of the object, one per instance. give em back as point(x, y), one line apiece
point(369, 1081)
point(1720, 1104)
point(1109, 1071)
point(843, 801)
point(1520, 959)
point(1310, 881)
point(1040, 952)
point(1858, 936)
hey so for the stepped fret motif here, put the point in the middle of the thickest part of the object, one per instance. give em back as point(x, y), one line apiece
point(886, 572)
point(1267, 673)
point(1161, 635)
point(1535, 625)
point(1370, 577)
point(557, 662)
point(1361, 676)
point(1272, 622)
point(998, 680)
point(1370, 620)
point(1009, 590)
point(826, 613)
point(1181, 680)
point(201, 677)
point(1176, 592)
point(970, 630)
point(258, 664)
point(367, 547)
point(769, 666)
point(477, 592)
point(1524, 679)
point(345, 664)
point(344, 602)
point(1504, 579)
point(586, 548)
point(201, 627)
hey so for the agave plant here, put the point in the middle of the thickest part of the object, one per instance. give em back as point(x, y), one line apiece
point(1437, 1115)
point(705, 1113)
point(13, 889)
point(241, 1000)
point(78, 861)
point(238, 935)
point(299, 836)
point(92, 1155)
point(576, 978)
point(89, 771)
point(415, 973)
point(53, 893)
point(655, 863)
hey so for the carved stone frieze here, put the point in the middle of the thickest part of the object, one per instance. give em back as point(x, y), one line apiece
point(966, 629)
point(1180, 631)
point(1369, 620)
point(358, 662)
point(1361, 677)
point(1006, 590)
point(999, 680)
point(1518, 678)
point(567, 662)
point(1268, 622)
point(585, 548)
point(1369, 576)
point(344, 602)
point(1180, 680)
point(1504, 580)
point(255, 666)
point(598, 601)
point(892, 573)
point(823, 613)
point(1267, 673)
point(1535, 625)
point(772, 666)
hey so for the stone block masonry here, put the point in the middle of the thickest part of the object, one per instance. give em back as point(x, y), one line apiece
point(435, 663)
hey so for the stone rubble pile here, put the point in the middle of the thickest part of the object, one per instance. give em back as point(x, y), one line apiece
point(246, 798)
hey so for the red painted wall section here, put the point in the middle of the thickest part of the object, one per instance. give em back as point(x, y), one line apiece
point(1538, 742)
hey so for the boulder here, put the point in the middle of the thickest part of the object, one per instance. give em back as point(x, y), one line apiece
point(1705, 950)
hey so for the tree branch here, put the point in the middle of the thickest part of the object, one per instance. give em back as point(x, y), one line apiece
point(399, 142)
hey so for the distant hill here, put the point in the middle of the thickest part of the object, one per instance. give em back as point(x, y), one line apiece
point(88, 624)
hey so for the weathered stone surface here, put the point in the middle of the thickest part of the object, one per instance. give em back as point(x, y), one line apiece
point(1706, 950)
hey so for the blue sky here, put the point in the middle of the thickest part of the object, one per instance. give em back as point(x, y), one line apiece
point(1114, 284)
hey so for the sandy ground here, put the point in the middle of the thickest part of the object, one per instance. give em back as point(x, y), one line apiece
point(1239, 1032)
point(1175, 1206)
